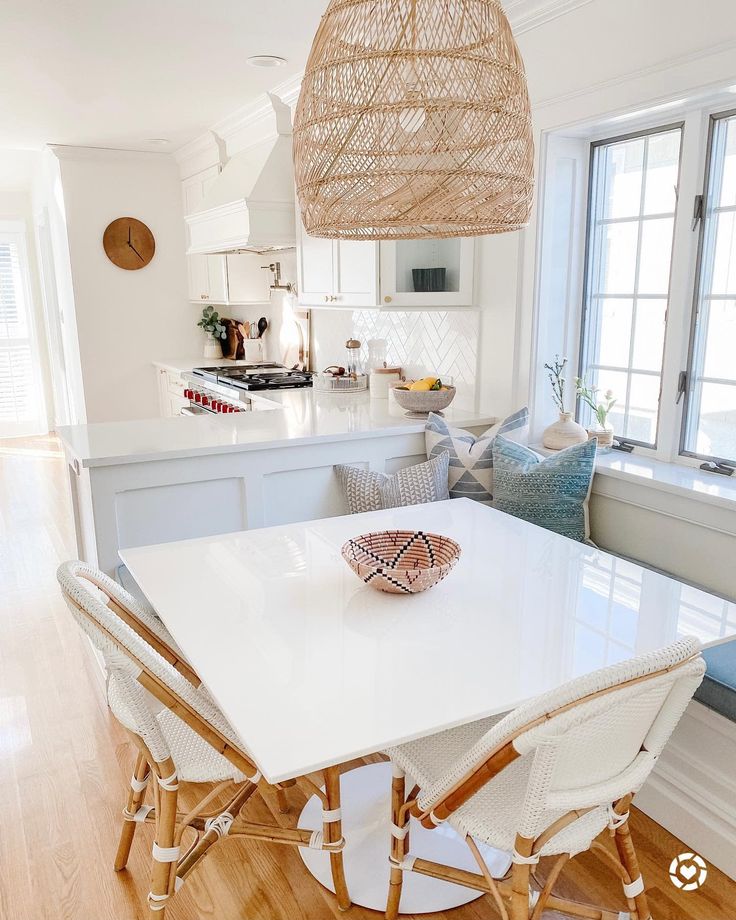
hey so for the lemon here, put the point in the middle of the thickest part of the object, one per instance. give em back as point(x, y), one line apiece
point(422, 385)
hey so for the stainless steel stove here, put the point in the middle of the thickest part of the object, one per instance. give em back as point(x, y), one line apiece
point(224, 388)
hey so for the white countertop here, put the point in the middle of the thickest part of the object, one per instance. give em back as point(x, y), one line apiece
point(300, 416)
point(523, 611)
point(186, 365)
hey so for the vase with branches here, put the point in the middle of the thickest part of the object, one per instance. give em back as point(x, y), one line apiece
point(565, 431)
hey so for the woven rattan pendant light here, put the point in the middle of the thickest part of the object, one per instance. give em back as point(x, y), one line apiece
point(413, 122)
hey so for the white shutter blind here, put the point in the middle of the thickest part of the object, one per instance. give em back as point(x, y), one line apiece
point(19, 397)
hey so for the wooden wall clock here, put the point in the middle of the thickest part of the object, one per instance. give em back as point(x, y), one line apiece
point(129, 243)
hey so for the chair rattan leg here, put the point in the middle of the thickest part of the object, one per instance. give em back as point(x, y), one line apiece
point(332, 831)
point(638, 903)
point(399, 845)
point(165, 853)
point(520, 877)
point(135, 800)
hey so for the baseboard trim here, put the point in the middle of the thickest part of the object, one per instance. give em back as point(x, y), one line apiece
point(694, 798)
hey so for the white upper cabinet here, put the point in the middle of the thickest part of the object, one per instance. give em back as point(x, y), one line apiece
point(428, 273)
point(355, 280)
point(421, 274)
point(236, 278)
point(314, 269)
point(336, 273)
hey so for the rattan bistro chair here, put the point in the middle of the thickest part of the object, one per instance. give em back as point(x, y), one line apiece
point(546, 780)
point(180, 734)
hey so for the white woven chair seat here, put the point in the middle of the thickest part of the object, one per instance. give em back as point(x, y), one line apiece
point(427, 760)
point(196, 760)
point(492, 815)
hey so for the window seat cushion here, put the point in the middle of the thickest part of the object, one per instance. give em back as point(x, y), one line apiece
point(718, 690)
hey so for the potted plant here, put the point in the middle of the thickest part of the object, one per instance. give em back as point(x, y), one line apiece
point(215, 329)
point(601, 406)
point(565, 431)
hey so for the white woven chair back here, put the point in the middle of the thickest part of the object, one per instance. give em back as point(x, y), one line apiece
point(592, 740)
point(127, 654)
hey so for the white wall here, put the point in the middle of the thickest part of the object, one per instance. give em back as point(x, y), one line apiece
point(125, 319)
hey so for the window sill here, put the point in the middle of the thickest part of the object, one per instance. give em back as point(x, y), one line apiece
point(675, 478)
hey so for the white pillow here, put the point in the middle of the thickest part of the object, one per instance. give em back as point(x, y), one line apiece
point(471, 458)
point(414, 485)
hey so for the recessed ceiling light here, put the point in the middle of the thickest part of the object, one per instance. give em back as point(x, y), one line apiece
point(159, 141)
point(265, 60)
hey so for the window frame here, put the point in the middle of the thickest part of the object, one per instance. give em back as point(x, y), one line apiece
point(714, 116)
point(588, 243)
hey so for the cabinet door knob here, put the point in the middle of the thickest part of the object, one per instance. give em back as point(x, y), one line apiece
point(327, 298)
point(387, 299)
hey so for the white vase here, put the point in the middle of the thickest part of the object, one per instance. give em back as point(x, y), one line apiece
point(564, 433)
point(212, 347)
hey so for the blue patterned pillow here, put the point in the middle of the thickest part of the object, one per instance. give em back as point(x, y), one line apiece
point(471, 458)
point(552, 491)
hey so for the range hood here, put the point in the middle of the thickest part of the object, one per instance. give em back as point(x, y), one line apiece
point(250, 207)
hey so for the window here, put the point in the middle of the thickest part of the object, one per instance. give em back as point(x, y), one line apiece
point(710, 421)
point(21, 405)
point(631, 217)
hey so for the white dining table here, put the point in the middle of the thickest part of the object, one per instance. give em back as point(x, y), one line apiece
point(313, 668)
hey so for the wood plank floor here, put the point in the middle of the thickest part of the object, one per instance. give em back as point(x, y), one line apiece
point(64, 766)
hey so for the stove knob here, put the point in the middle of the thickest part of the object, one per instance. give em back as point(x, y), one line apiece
point(216, 405)
point(205, 401)
point(197, 397)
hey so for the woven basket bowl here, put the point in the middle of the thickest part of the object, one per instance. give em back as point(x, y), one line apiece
point(419, 403)
point(401, 561)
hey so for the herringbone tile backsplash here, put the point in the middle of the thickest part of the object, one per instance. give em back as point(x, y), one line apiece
point(442, 341)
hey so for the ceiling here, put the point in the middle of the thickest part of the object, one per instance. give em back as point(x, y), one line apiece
point(118, 74)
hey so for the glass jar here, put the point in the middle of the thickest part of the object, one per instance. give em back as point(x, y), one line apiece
point(353, 366)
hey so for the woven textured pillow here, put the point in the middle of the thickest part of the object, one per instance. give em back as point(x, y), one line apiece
point(471, 458)
point(414, 485)
point(552, 491)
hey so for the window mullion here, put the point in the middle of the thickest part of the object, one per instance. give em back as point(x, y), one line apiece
point(684, 250)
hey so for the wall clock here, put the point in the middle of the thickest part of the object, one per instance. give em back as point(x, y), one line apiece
point(129, 243)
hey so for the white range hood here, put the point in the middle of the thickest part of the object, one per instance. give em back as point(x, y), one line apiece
point(250, 207)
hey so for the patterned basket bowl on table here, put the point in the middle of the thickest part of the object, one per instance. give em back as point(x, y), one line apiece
point(419, 403)
point(401, 561)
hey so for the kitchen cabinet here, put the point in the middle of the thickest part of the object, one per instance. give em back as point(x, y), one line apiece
point(346, 273)
point(170, 393)
point(336, 273)
point(235, 278)
point(207, 274)
point(399, 260)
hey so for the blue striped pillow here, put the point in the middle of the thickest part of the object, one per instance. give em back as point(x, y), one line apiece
point(552, 492)
point(471, 458)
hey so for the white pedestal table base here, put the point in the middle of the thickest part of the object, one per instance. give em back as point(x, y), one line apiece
point(366, 811)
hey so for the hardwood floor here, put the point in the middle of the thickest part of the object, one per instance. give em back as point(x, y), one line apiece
point(65, 764)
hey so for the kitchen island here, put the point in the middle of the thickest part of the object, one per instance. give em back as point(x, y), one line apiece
point(135, 483)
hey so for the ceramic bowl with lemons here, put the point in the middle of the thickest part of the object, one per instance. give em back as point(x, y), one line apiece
point(420, 397)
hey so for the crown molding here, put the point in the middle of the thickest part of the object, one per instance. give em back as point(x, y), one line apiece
point(70, 152)
point(525, 15)
point(727, 47)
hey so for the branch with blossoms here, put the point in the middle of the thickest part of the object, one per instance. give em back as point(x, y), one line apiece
point(601, 406)
point(557, 381)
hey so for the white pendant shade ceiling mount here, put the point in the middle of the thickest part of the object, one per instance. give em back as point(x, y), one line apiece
point(413, 122)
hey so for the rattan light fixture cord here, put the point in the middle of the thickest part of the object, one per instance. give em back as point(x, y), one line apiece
point(413, 122)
